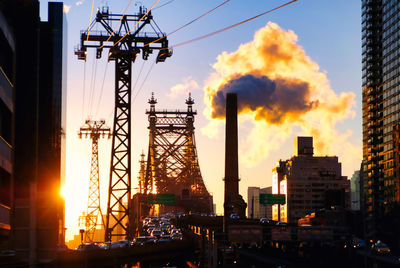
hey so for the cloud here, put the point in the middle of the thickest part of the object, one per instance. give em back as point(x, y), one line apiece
point(188, 85)
point(280, 91)
point(78, 3)
point(66, 8)
point(271, 100)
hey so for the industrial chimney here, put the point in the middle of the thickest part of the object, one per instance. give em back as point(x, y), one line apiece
point(233, 202)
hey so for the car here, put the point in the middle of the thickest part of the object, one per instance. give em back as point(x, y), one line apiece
point(121, 244)
point(140, 241)
point(151, 240)
point(358, 243)
point(380, 248)
point(106, 245)
point(156, 233)
point(175, 231)
point(212, 214)
point(164, 239)
point(279, 223)
point(87, 247)
point(264, 220)
point(176, 236)
point(165, 228)
point(234, 216)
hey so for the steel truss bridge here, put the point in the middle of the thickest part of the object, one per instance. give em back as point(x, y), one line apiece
point(172, 164)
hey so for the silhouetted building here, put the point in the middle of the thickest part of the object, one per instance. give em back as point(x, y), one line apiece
point(355, 190)
point(37, 209)
point(380, 96)
point(7, 82)
point(309, 182)
point(255, 210)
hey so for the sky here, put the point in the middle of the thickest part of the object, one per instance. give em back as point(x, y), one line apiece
point(318, 48)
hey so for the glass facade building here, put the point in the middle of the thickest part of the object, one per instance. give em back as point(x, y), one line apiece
point(380, 105)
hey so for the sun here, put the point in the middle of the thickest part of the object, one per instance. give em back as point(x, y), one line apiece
point(63, 192)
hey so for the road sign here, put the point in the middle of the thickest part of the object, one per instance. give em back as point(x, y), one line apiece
point(162, 199)
point(270, 199)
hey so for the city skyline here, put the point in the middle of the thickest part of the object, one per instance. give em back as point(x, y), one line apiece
point(195, 72)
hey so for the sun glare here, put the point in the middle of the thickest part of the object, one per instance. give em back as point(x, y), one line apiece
point(63, 192)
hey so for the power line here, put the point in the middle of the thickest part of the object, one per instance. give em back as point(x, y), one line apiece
point(101, 90)
point(90, 21)
point(92, 85)
point(232, 26)
point(187, 24)
point(145, 79)
point(84, 86)
point(137, 80)
point(163, 5)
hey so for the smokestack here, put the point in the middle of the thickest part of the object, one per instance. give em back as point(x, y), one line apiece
point(233, 202)
point(231, 147)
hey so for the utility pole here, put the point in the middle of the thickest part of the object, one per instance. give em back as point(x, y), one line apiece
point(124, 42)
point(93, 130)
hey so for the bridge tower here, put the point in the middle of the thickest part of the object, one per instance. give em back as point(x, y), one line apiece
point(172, 164)
point(134, 34)
point(94, 130)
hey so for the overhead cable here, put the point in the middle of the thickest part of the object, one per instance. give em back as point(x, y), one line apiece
point(90, 21)
point(101, 90)
point(144, 81)
point(190, 22)
point(84, 86)
point(163, 5)
point(230, 27)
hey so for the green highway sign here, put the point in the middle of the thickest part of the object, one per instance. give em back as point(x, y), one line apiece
point(162, 199)
point(271, 199)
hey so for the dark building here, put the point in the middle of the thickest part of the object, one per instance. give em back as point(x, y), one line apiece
point(309, 182)
point(380, 101)
point(37, 208)
point(7, 82)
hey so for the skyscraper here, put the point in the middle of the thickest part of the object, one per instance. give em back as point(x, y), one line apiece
point(380, 105)
point(37, 138)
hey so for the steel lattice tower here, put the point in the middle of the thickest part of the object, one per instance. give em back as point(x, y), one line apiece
point(172, 163)
point(124, 43)
point(94, 130)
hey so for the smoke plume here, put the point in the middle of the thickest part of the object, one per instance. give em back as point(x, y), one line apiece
point(272, 101)
point(280, 90)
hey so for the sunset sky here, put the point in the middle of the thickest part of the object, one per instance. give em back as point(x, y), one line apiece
point(314, 44)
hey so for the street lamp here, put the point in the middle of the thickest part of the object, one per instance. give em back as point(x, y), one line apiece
point(81, 231)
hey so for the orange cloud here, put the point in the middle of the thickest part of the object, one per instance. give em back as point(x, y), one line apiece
point(279, 89)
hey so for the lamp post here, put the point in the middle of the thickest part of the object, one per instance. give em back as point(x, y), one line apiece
point(81, 231)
